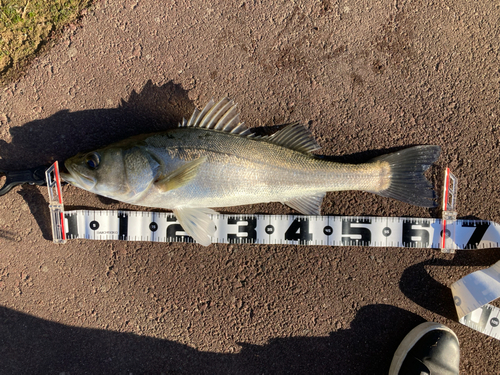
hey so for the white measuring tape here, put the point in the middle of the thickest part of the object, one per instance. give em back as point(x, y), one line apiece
point(471, 294)
point(282, 229)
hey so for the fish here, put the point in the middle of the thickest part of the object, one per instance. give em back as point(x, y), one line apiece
point(213, 160)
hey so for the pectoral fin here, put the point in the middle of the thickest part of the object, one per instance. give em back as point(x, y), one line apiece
point(197, 223)
point(180, 176)
point(310, 205)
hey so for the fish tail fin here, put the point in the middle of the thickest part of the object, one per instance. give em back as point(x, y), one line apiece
point(407, 181)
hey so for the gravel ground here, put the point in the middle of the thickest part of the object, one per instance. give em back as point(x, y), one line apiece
point(365, 77)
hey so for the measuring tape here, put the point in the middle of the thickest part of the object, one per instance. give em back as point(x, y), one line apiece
point(283, 229)
point(471, 294)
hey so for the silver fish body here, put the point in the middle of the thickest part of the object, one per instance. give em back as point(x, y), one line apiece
point(214, 161)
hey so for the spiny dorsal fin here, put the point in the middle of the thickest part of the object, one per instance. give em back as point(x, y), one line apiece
point(296, 137)
point(222, 116)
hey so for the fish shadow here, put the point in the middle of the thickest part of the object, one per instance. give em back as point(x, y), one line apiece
point(62, 135)
point(154, 108)
point(366, 347)
point(38, 207)
point(418, 285)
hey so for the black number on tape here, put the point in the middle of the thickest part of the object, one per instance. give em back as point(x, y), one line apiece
point(477, 235)
point(173, 229)
point(250, 234)
point(72, 229)
point(415, 237)
point(123, 227)
point(299, 231)
point(363, 235)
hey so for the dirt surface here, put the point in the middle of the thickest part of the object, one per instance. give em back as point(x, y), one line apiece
point(27, 28)
point(365, 77)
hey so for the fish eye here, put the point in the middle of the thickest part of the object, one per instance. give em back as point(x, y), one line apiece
point(93, 159)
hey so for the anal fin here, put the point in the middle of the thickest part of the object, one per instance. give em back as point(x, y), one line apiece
point(197, 223)
point(308, 205)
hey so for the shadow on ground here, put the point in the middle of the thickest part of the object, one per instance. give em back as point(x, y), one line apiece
point(419, 286)
point(65, 133)
point(155, 108)
point(29, 345)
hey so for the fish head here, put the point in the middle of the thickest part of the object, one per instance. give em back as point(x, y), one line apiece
point(101, 171)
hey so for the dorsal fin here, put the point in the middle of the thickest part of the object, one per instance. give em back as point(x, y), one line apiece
point(296, 137)
point(222, 116)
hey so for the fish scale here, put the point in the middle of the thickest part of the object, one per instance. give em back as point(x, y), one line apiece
point(253, 171)
point(195, 168)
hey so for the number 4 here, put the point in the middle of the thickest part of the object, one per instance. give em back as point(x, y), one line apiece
point(299, 231)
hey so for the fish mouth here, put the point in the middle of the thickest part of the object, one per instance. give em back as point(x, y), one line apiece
point(77, 179)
